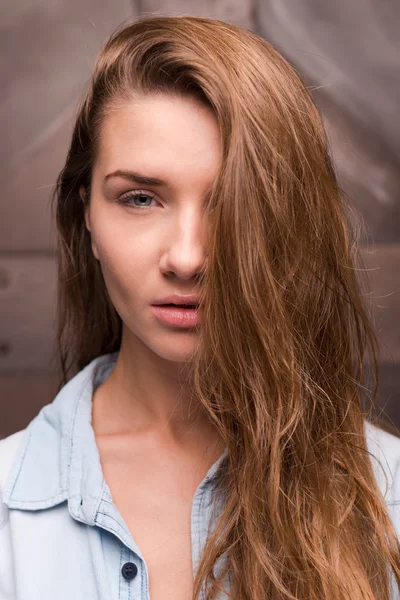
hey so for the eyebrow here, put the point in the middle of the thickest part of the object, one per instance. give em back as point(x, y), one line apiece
point(135, 177)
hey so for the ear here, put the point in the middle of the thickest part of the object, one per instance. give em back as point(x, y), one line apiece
point(82, 194)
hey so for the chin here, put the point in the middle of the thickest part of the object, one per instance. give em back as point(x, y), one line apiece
point(180, 352)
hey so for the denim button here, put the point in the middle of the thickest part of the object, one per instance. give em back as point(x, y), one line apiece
point(129, 570)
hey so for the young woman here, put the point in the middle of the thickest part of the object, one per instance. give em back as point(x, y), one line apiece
point(218, 450)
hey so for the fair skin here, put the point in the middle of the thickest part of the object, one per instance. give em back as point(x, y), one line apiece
point(147, 253)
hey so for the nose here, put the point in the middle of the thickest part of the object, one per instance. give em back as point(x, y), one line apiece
point(184, 254)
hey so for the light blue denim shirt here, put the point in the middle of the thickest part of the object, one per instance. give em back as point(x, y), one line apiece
point(61, 535)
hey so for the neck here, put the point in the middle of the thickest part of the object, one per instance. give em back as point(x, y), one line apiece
point(145, 392)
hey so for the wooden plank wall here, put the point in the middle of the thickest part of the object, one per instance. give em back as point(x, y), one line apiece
point(348, 55)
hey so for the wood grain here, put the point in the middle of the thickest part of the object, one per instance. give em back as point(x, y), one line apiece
point(27, 311)
point(22, 395)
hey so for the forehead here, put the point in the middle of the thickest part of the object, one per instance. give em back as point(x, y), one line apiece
point(167, 137)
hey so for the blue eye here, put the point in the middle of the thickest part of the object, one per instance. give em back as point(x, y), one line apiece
point(132, 196)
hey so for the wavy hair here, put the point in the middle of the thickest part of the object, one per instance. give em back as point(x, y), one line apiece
point(280, 365)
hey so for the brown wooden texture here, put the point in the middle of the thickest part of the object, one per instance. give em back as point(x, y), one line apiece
point(27, 311)
point(22, 395)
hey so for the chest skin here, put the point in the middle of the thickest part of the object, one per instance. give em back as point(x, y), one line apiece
point(153, 486)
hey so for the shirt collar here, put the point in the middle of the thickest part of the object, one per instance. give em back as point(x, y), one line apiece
point(58, 458)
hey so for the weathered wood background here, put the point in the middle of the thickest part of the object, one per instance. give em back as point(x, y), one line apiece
point(349, 54)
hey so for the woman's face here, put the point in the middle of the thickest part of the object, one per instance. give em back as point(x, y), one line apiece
point(152, 246)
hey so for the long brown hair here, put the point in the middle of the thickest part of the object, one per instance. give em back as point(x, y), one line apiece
point(280, 365)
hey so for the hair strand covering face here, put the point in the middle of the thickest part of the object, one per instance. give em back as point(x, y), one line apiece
point(280, 363)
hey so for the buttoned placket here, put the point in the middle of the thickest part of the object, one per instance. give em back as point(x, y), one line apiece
point(133, 579)
point(131, 569)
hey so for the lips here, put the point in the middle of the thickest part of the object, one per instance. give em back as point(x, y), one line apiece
point(177, 316)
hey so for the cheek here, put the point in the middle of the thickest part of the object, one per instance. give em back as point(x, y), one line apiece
point(125, 261)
